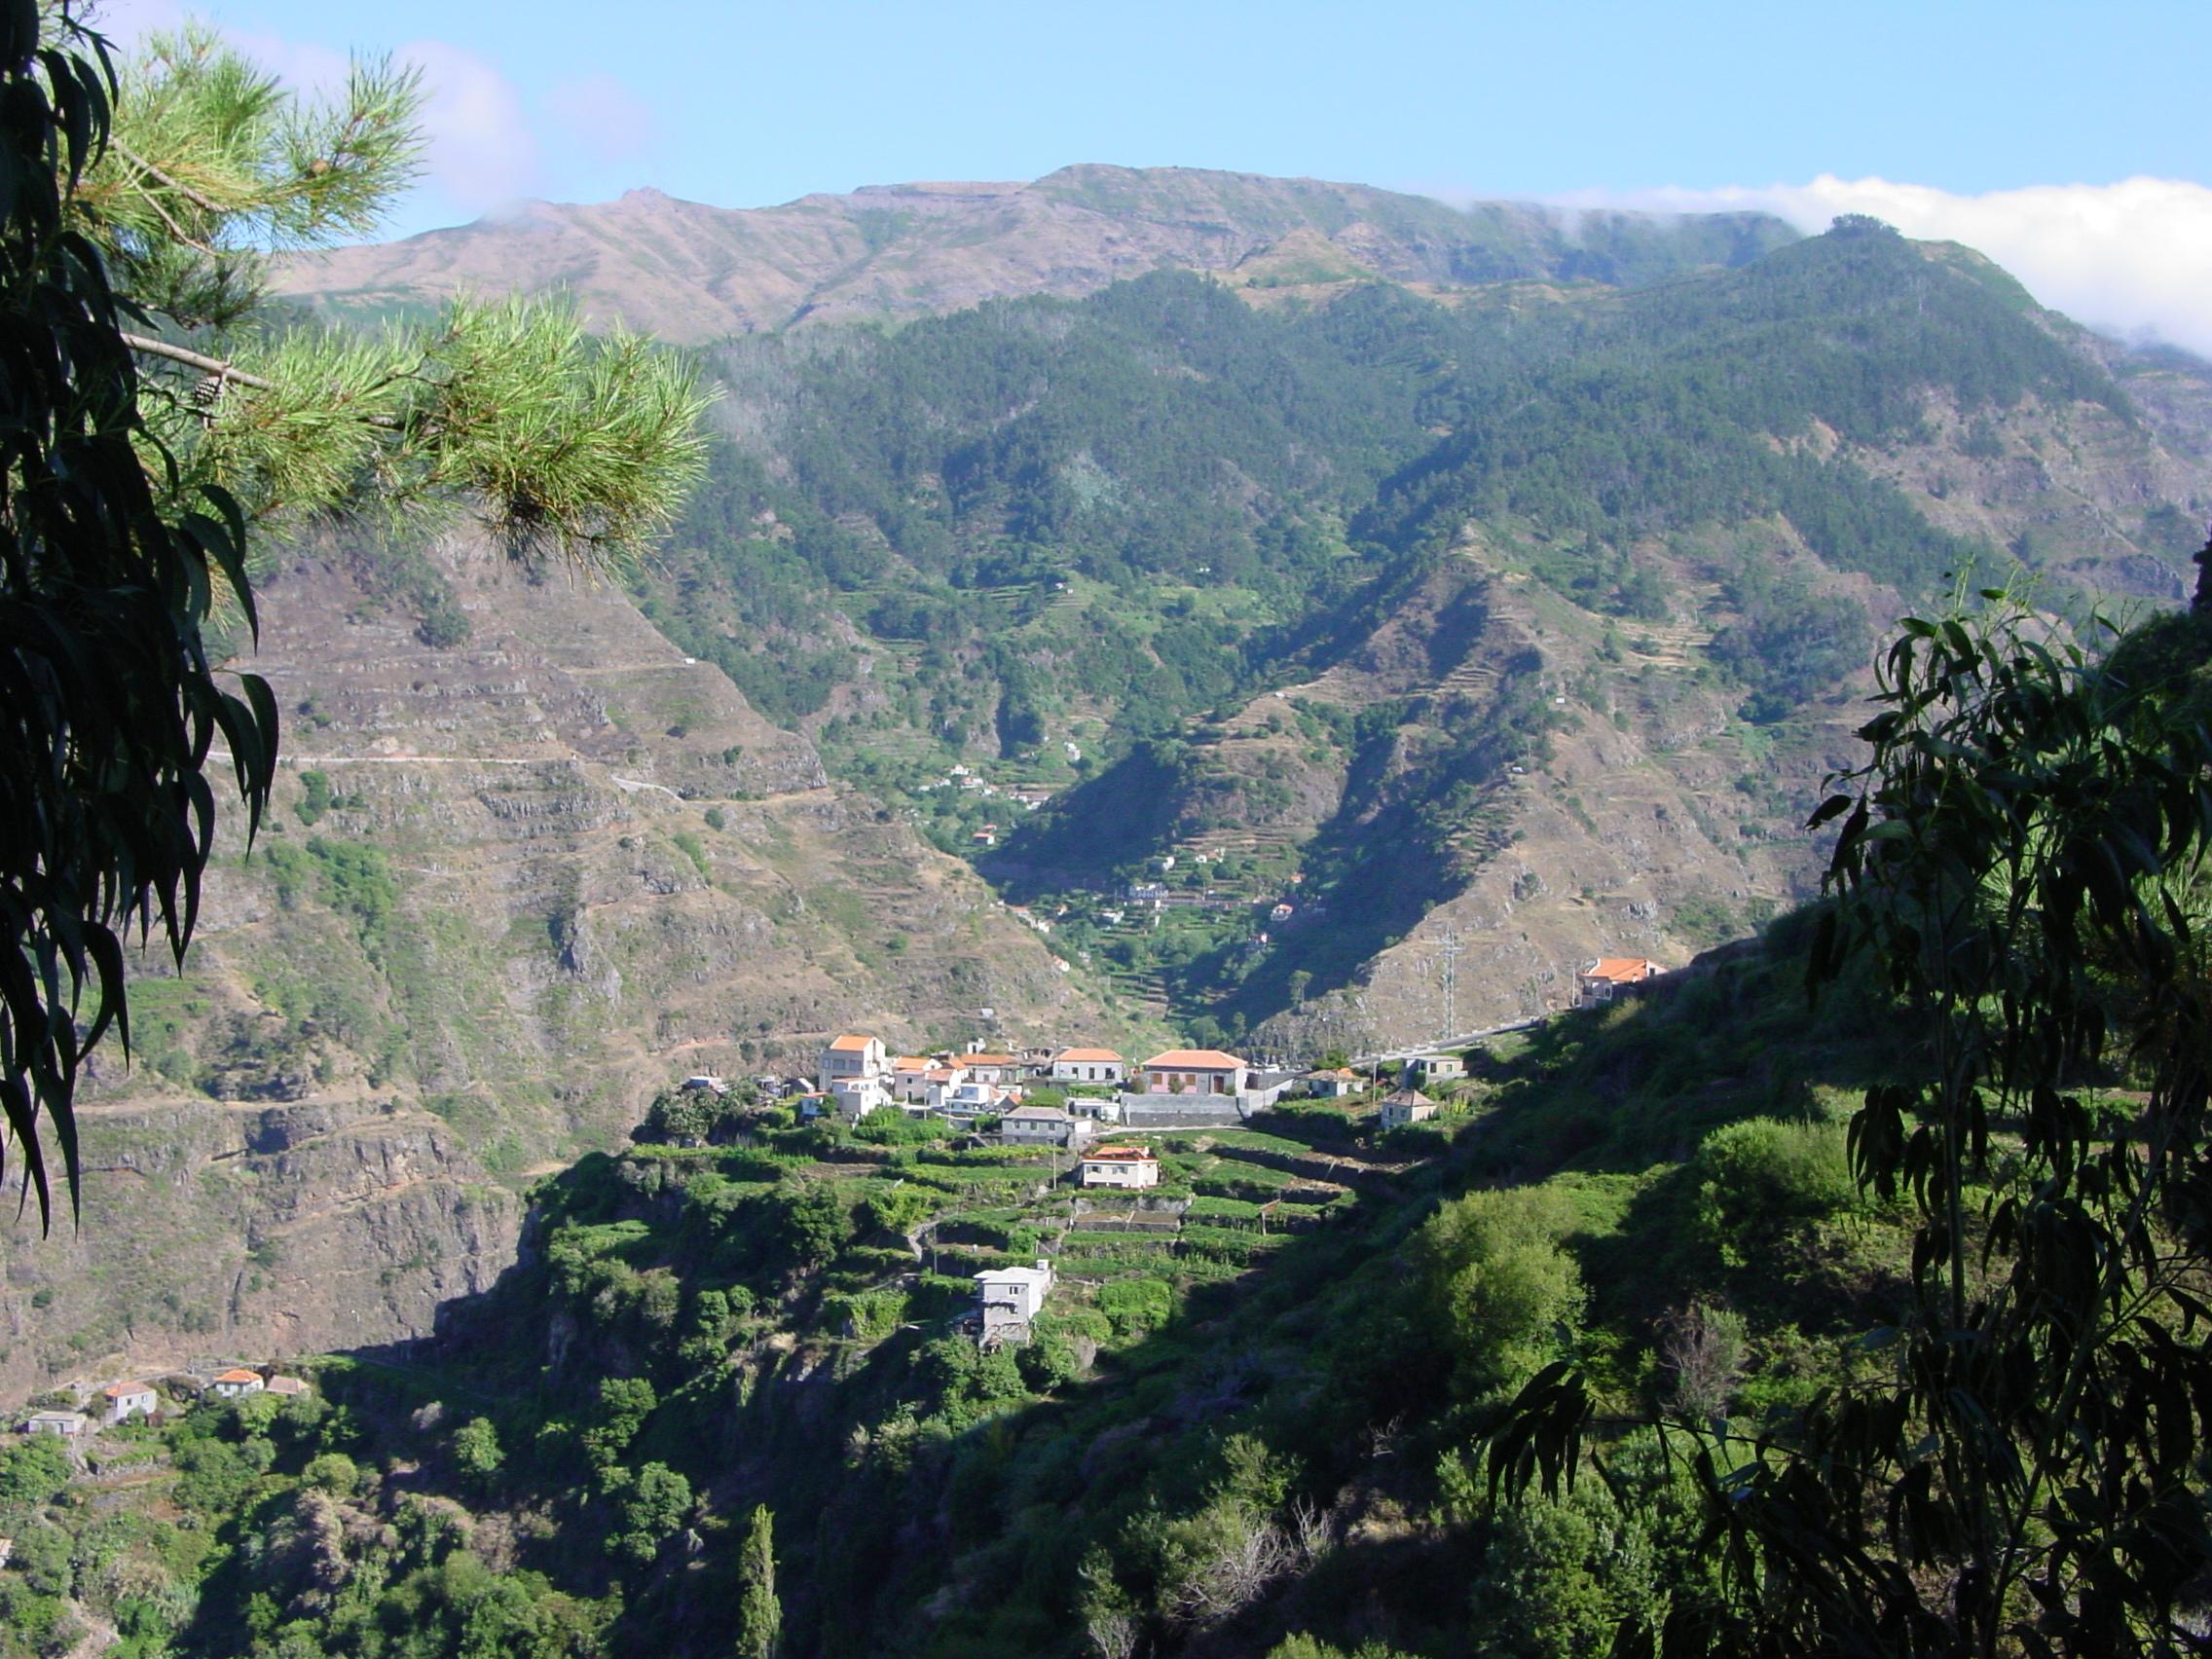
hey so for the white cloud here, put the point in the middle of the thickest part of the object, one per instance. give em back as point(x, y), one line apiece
point(482, 152)
point(601, 114)
point(2133, 258)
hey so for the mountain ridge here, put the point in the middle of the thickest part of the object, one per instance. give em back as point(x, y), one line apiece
point(691, 272)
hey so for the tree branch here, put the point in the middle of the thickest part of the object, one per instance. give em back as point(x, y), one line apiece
point(160, 177)
point(197, 360)
point(223, 371)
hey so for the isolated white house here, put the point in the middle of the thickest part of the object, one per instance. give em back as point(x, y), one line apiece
point(1596, 984)
point(124, 1401)
point(1126, 1166)
point(1021, 1291)
point(1406, 1106)
point(233, 1384)
point(67, 1425)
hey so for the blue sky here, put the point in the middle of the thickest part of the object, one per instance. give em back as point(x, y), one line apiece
point(745, 104)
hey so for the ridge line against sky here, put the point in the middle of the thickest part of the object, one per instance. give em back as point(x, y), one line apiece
point(2066, 145)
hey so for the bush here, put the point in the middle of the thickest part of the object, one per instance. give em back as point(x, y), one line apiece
point(1762, 1180)
point(1495, 1284)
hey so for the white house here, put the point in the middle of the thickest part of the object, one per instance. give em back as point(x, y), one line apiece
point(1093, 1109)
point(127, 1400)
point(1089, 1065)
point(68, 1425)
point(858, 1096)
point(1044, 1125)
point(1406, 1106)
point(1333, 1082)
point(1020, 1290)
point(1598, 983)
point(910, 1079)
point(1194, 1071)
point(850, 1057)
point(963, 1100)
point(1426, 1070)
point(239, 1380)
point(1128, 1166)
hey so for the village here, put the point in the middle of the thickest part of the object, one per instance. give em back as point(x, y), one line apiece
point(1106, 1112)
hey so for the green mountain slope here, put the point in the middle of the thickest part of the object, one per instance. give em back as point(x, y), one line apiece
point(1247, 1422)
point(1286, 595)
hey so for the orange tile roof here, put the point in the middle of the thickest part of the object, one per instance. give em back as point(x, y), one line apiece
point(1195, 1059)
point(1618, 967)
point(910, 1062)
point(850, 1044)
point(1119, 1155)
point(116, 1390)
point(1090, 1054)
point(240, 1375)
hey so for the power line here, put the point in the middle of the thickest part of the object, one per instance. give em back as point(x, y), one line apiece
point(1448, 950)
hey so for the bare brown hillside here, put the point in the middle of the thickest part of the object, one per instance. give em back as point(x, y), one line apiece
point(559, 866)
point(690, 272)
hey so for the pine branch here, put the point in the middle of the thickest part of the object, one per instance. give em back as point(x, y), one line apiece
point(225, 372)
point(160, 177)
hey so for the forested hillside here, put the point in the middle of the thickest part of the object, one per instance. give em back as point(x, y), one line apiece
point(1288, 593)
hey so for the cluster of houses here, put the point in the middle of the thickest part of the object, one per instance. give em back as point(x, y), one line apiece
point(1176, 1088)
point(120, 1402)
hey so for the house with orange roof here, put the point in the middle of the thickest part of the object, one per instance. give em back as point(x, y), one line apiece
point(124, 1401)
point(236, 1382)
point(1089, 1065)
point(1598, 984)
point(1194, 1071)
point(850, 1056)
point(910, 1079)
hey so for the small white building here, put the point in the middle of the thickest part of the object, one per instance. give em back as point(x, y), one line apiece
point(963, 1101)
point(850, 1057)
point(1089, 1065)
point(1092, 1109)
point(65, 1425)
point(1044, 1125)
point(856, 1096)
point(233, 1384)
point(1424, 1071)
point(123, 1401)
point(1333, 1082)
point(1406, 1106)
point(1020, 1291)
point(1132, 1167)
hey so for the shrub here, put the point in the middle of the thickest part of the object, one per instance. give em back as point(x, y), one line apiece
point(1495, 1284)
point(1760, 1180)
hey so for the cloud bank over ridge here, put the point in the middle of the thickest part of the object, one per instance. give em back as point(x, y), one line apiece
point(2132, 258)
